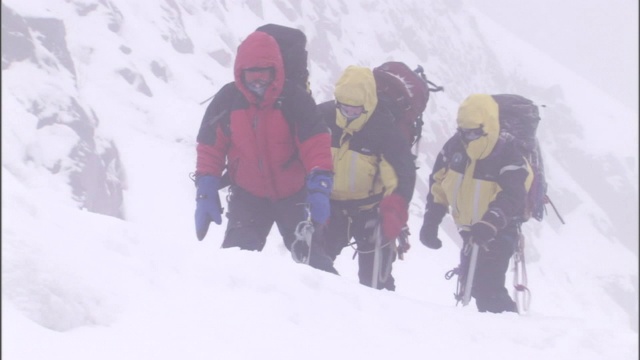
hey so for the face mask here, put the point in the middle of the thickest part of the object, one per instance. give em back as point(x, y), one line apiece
point(258, 79)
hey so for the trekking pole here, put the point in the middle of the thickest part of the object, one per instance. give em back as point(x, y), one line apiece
point(547, 199)
point(466, 296)
point(301, 246)
point(521, 293)
point(375, 274)
point(381, 269)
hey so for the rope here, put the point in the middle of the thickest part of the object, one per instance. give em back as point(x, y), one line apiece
point(370, 251)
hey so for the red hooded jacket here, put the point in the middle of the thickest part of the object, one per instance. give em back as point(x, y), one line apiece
point(269, 145)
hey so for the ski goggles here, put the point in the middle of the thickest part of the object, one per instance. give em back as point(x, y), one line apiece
point(258, 75)
point(471, 134)
point(350, 111)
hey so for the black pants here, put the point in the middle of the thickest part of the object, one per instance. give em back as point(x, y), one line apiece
point(251, 219)
point(491, 268)
point(342, 228)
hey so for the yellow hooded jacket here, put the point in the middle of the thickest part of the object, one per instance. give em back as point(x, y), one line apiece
point(371, 157)
point(486, 173)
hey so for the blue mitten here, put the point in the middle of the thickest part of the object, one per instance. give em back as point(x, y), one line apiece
point(208, 206)
point(319, 185)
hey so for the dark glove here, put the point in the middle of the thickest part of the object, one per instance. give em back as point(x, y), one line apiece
point(403, 242)
point(394, 215)
point(208, 207)
point(482, 233)
point(319, 185)
point(429, 231)
point(485, 230)
point(429, 236)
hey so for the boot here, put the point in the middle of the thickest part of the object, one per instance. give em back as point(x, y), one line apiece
point(496, 303)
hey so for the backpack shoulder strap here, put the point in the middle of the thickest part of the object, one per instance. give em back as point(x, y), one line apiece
point(287, 110)
point(294, 102)
point(218, 111)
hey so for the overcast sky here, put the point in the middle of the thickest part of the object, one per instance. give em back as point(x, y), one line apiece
point(597, 39)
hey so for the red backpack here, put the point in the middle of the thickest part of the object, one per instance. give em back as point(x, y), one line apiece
point(405, 93)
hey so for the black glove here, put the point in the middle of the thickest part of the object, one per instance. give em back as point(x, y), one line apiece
point(485, 230)
point(429, 236)
point(482, 233)
point(429, 230)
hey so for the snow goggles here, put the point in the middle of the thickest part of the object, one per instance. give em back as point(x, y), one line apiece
point(350, 111)
point(260, 75)
point(471, 134)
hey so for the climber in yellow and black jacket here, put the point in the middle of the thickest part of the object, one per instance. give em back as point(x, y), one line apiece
point(374, 173)
point(482, 178)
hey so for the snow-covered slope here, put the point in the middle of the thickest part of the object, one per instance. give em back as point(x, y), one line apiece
point(101, 104)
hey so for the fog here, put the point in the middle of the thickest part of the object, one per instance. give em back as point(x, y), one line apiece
point(596, 39)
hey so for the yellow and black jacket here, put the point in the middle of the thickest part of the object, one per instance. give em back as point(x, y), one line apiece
point(371, 158)
point(488, 173)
